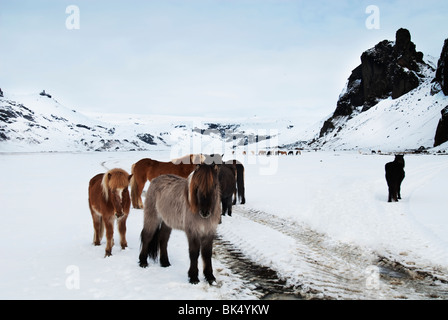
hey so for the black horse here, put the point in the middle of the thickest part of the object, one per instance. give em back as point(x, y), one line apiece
point(239, 169)
point(227, 186)
point(394, 177)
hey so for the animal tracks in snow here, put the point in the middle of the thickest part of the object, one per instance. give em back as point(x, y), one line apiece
point(306, 264)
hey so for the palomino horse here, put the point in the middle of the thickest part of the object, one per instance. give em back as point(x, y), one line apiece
point(394, 176)
point(148, 169)
point(109, 199)
point(191, 205)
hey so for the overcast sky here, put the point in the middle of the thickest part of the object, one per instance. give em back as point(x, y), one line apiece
point(202, 57)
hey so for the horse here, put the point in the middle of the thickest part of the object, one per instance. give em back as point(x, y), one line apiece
point(191, 205)
point(239, 181)
point(394, 176)
point(148, 169)
point(109, 200)
point(227, 183)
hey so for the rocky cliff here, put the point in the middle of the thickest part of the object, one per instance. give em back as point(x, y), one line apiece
point(391, 68)
point(393, 78)
point(440, 83)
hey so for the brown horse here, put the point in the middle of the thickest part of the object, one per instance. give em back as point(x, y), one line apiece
point(148, 169)
point(109, 199)
point(191, 205)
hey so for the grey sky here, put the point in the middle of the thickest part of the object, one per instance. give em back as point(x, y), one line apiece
point(202, 57)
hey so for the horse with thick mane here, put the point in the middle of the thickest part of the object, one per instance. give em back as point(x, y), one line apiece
point(148, 169)
point(109, 199)
point(191, 205)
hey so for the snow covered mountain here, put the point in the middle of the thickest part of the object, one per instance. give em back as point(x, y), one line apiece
point(37, 122)
point(392, 102)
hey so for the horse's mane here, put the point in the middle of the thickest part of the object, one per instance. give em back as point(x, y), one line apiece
point(189, 159)
point(114, 179)
point(201, 180)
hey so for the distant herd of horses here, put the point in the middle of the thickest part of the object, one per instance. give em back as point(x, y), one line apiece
point(190, 194)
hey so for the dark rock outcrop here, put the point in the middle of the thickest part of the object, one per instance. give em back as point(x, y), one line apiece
point(442, 128)
point(441, 78)
point(390, 69)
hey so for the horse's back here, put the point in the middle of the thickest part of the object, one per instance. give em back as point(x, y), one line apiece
point(227, 180)
point(96, 179)
point(96, 198)
point(166, 198)
point(394, 170)
point(95, 186)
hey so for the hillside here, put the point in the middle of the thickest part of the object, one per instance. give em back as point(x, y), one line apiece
point(38, 122)
point(392, 101)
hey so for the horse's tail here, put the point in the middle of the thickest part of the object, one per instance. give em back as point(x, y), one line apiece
point(240, 182)
point(134, 189)
point(154, 245)
point(149, 246)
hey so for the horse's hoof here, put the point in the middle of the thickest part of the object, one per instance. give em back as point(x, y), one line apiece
point(194, 281)
point(211, 281)
point(165, 264)
point(108, 254)
point(143, 264)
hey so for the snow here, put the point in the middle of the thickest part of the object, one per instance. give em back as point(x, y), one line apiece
point(46, 239)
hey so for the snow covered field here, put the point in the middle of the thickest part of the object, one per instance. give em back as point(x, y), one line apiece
point(46, 240)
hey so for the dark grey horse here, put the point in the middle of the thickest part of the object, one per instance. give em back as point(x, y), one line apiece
point(192, 205)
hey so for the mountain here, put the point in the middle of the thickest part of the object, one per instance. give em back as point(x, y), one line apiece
point(392, 101)
point(38, 122)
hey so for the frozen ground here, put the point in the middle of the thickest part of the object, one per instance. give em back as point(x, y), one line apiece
point(307, 217)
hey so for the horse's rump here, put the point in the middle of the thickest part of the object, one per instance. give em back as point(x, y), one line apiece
point(148, 169)
point(160, 204)
point(227, 181)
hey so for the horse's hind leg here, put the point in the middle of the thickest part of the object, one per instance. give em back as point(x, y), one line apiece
point(164, 236)
point(399, 190)
point(206, 252)
point(136, 192)
point(229, 206)
point(389, 199)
